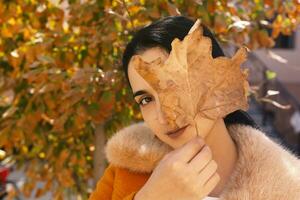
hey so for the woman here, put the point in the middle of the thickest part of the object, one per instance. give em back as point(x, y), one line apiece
point(231, 160)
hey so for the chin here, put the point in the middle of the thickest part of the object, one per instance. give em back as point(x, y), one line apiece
point(180, 143)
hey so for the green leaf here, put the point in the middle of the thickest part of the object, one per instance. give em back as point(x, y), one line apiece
point(270, 74)
point(107, 96)
point(93, 107)
point(46, 59)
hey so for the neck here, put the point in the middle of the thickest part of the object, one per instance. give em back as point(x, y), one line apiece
point(224, 153)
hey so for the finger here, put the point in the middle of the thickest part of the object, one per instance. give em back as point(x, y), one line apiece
point(189, 150)
point(211, 183)
point(208, 171)
point(201, 159)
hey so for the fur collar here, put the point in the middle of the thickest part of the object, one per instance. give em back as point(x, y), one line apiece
point(263, 164)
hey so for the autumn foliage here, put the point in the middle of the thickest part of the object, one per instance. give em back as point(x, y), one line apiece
point(60, 73)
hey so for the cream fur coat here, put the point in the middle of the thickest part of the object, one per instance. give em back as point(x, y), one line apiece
point(265, 170)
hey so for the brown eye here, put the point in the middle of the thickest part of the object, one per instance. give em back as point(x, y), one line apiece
point(145, 101)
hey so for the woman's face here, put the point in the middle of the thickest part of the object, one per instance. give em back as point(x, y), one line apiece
point(150, 106)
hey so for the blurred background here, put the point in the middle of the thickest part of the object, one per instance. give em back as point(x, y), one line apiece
point(63, 93)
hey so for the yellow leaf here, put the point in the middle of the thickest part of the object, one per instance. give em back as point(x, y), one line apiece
point(11, 21)
point(5, 32)
point(134, 9)
point(42, 155)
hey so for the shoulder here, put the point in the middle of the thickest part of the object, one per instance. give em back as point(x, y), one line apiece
point(263, 164)
point(260, 150)
point(251, 141)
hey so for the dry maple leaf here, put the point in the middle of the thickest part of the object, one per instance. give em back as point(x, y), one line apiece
point(192, 82)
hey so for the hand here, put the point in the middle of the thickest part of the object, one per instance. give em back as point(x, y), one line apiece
point(184, 173)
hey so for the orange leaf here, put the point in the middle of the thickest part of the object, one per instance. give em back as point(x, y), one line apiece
point(191, 82)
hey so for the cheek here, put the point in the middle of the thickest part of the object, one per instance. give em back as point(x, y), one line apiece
point(148, 114)
point(150, 118)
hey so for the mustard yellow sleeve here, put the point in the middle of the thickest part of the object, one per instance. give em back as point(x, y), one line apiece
point(104, 187)
point(130, 196)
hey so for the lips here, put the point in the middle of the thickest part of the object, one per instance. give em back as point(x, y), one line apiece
point(176, 132)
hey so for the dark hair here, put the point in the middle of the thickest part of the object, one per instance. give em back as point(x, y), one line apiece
point(161, 33)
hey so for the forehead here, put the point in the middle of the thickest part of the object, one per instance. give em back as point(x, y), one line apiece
point(136, 81)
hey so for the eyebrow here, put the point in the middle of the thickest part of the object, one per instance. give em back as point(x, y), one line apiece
point(140, 92)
